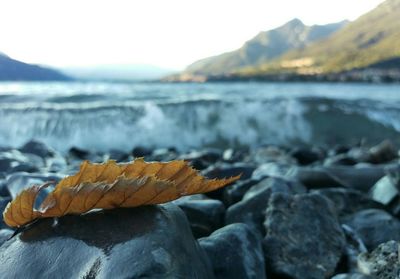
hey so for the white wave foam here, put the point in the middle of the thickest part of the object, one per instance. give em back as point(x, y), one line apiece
point(183, 125)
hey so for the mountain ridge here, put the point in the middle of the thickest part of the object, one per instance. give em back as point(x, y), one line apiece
point(265, 46)
point(366, 49)
point(15, 70)
point(373, 37)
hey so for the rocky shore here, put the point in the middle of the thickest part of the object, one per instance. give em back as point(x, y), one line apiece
point(297, 212)
point(366, 75)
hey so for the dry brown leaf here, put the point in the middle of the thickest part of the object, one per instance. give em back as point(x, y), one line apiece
point(111, 185)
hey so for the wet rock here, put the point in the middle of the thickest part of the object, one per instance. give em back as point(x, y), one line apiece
point(339, 149)
point(5, 234)
point(141, 151)
point(24, 167)
point(5, 148)
point(22, 180)
point(250, 210)
point(307, 156)
point(3, 189)
point(354, 247)
point(227, 170)
point(348, 201)
point(234, 193)
point(228, 155)
point(3, 203)
point(352, 276)
point(194, 197)
point(304, 238)
point(359, 154)
point(340, 160)
point(5, 163)
point(117, 155)
point(204, 215)
point(374, 226)
point(312, 178)
point(143, 242)
point(272, 154)
point(56, 164)
point(271, 169)
point(235, 252)
point(208, 155)
point(383, 262)
point(235, 155)
point(13, 161)
point(202, 159)
point(383, 153)
point(360, 178)
point(163, 154)
point(386, 190)
point(38, 148)
point(79, 153)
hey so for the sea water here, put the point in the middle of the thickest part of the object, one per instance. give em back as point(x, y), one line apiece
point(104, 115)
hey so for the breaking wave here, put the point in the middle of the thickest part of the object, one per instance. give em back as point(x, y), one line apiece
point(105, 123)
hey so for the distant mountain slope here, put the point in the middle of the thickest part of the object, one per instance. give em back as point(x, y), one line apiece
point(264, 47)
point(11, 69)
point(372, 38)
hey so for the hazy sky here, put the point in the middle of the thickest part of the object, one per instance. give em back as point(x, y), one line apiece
point(169, 33)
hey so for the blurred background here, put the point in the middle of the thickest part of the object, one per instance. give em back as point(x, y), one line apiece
point(114, 75)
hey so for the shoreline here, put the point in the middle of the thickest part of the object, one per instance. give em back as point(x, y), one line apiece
point(368, 75)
